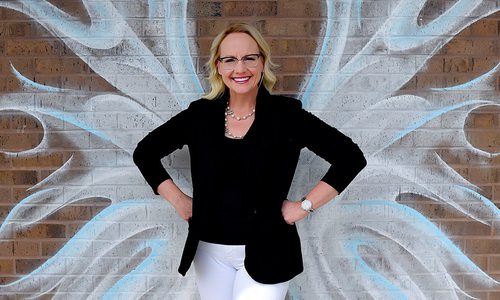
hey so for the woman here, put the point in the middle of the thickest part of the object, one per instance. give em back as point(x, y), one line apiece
point(244, 145)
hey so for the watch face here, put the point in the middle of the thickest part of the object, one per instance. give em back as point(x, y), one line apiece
point(306, 205)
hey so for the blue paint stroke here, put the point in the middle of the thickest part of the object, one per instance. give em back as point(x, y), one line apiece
point(419, 35)
point(183, 60)
point(293, 291)
point(314, 77)
point(78, 123)
point(485, 200)
point(83, 239)
point(22, 204)
point(152, 7)
point(380, 280)
point(105, 33)
point(413, 214)
point(127, 283)
point(28, 82)
point(471, 84)
point(433, 229)
point(432, 115)
point(359, 5)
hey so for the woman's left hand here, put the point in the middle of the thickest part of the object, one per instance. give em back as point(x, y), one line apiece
point(292, 212)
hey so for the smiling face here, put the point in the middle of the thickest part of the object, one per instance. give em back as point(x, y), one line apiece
point(241, 80)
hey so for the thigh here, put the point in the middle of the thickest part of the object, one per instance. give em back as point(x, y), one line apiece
point(245, 288)
point(214, 276)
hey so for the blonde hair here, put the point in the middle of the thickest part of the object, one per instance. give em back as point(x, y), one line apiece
point(217, 86)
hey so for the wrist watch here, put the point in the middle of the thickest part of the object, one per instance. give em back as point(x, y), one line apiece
point(306, 205)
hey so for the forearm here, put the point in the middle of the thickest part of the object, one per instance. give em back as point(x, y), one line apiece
point(170, 191)
point(321, 194)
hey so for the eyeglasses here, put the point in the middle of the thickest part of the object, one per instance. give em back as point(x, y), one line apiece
point(230, 62)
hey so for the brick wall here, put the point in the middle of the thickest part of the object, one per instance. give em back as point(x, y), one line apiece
point(39, 137)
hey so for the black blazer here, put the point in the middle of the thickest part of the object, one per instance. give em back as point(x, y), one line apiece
point(281, 129)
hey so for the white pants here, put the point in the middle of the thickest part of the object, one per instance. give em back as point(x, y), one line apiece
point(221, 275)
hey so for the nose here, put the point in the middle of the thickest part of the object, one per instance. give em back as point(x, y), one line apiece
point(240, 67)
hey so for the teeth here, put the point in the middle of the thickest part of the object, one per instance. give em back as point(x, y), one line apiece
point(241, 79)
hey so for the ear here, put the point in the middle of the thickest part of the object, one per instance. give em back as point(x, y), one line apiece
point(217, 64)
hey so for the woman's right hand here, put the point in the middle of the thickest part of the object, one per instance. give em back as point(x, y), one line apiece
point(182, 203)
point(184, 207)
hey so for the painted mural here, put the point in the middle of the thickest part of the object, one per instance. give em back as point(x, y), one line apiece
point(374, 247)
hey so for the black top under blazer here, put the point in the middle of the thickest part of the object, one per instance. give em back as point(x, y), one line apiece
point(281, 129)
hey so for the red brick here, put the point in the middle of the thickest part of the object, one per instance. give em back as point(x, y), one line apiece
point(6, 267)
point(5, 210)
point(284, 28)
point(38, 231)
point(481, 175)
point(483, 246)
point(483, 120)
point(30, 47)
point(50, 248)
point(457, 65)
point(292, 83)
point(485, 28)
point(6, 248)
point(66, 65)
point(7, 280)
point(23, 122)
point(43, 160)
point(250, 8)
point(18, 177)
point(26, 249)
point(484, 47)
point(494, 264)
point(458, 46)
point(300, 8)
point(5, 161)
point(205, 9)
point(480, 260)
point(19, 194)
point(19, 141)
point(210, 28)
point(26, 266)
point(24, 65)
point(72, 213)
point(5, 195)
point(435, 65)
point(18, 29)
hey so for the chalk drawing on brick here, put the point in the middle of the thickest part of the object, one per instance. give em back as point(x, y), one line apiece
point(374, 247)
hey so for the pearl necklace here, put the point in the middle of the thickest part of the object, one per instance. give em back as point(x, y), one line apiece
point(230, 113)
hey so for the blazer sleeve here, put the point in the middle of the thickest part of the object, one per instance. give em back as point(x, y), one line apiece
point(160, 142)
point(345, 157)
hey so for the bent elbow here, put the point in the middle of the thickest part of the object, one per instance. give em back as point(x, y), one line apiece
point(360, 161)
point(138, 154)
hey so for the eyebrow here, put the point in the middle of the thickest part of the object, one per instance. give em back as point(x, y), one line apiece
point(232, 56)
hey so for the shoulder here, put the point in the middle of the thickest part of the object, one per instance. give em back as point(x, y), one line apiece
point(203, 105)
point(284, 102)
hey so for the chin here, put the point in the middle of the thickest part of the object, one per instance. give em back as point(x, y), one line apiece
point(243, 89)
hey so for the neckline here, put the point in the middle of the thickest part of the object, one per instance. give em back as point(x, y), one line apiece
point(249, 131)
point(259, 105)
